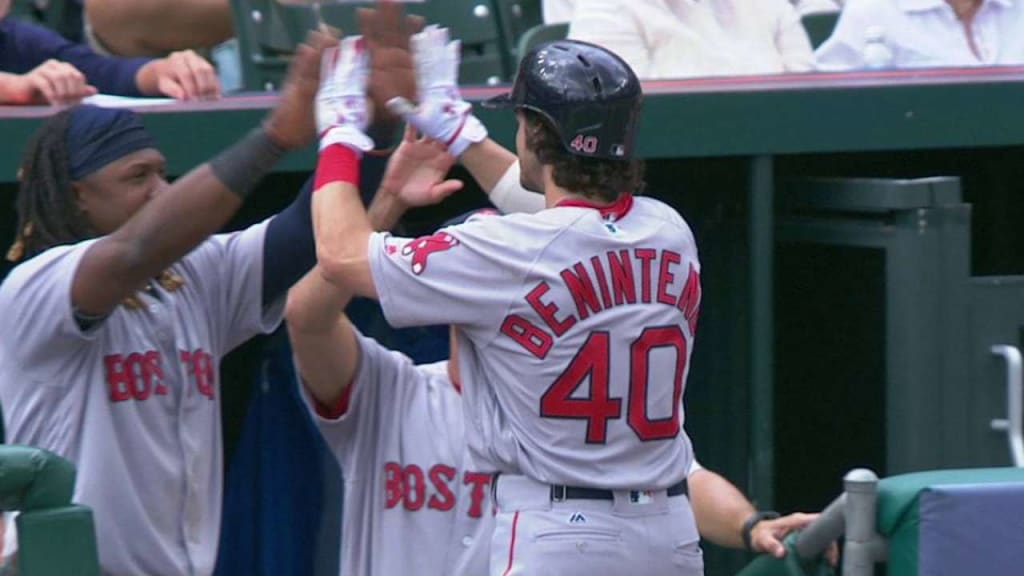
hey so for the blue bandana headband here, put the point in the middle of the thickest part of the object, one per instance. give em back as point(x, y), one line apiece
point(98, 136)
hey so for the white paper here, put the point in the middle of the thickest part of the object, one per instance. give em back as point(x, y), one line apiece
point(109, 101)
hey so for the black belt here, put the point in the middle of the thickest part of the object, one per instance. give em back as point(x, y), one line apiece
point(562, 493)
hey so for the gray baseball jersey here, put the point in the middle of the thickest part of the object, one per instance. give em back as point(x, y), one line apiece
point(413, 502)
point(135, 401)
point(575, 328)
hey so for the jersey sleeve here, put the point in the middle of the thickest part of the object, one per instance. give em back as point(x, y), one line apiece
point(231, 268)
point(35, 303)
point(384, 387)
point(465, 274)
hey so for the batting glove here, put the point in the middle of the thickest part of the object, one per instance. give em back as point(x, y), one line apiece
point(442, 113)
point(342, 108)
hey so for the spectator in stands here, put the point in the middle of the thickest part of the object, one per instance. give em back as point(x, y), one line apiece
point(684, 38)
point(156, 27)
point(38, 66)
point(923, 33)
point(557, 11)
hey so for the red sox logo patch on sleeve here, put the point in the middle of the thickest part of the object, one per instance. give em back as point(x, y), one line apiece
point(422, 248)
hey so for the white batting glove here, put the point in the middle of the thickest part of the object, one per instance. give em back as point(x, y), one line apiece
point(442, 114)
point(342, 108)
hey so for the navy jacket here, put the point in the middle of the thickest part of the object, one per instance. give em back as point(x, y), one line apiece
point(25, 45)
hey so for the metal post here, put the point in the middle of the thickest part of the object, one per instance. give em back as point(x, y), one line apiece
point(1013, 425)
point(862, 542)
point(761, 224)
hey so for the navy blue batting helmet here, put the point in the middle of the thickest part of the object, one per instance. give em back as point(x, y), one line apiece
point(590, 95)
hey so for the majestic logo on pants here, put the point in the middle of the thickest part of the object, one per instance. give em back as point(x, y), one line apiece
point(422, 248)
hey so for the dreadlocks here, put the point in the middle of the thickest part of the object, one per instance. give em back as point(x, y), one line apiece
point(48, 214)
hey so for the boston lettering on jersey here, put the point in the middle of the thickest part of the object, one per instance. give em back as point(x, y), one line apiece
point(415, 488)
point(140, 375)
point(605, 281)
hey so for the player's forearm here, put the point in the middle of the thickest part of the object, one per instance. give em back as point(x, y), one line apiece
point(162, 232)
point(719, 508)
point(326, 361)
point(170, 225)
point(322, 339)
point(342, 231)
point(385, 209)
point(314, 304)
point(487, 162)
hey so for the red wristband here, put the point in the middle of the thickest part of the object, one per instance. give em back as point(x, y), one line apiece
point(337, 163)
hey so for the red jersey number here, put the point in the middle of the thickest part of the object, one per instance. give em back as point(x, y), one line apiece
point(591, 361)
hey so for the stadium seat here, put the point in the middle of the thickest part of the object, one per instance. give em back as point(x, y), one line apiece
point(540, 34)
point(516, 17)
point(267, 34)
point(819, 26)
point(58, 15)
point(24, 9)
point(475, 22)
point(268, 31)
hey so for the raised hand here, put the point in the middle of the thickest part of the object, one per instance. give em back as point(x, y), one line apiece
point(392, 71)
point(415, 172)
point(441, 114)
point(437, 64)
point(292, 123)
point(342, 107)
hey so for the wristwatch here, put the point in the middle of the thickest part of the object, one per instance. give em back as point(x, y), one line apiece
point(754, 518)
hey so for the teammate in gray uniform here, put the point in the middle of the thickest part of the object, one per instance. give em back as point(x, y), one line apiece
point(575, 325)
point(123, 304)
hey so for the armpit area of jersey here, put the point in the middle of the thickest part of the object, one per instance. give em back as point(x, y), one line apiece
point(86, 322)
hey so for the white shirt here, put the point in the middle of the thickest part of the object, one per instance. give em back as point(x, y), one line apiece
point(813, 6)
point(557, 11)
point(135, 402)
point(926, 33)
point(690, 38)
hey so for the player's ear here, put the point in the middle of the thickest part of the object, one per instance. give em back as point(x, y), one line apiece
point(78, 192)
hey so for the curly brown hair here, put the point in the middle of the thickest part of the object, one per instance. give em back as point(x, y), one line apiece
point(594, 178)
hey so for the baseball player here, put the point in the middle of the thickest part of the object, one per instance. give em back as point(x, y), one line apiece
point(122, 305)
point(574, 325)
point(414, 503)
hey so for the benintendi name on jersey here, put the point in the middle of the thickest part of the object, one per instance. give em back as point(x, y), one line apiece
point(602, 282)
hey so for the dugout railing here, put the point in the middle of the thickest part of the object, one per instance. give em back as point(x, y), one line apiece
point(934, 523)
